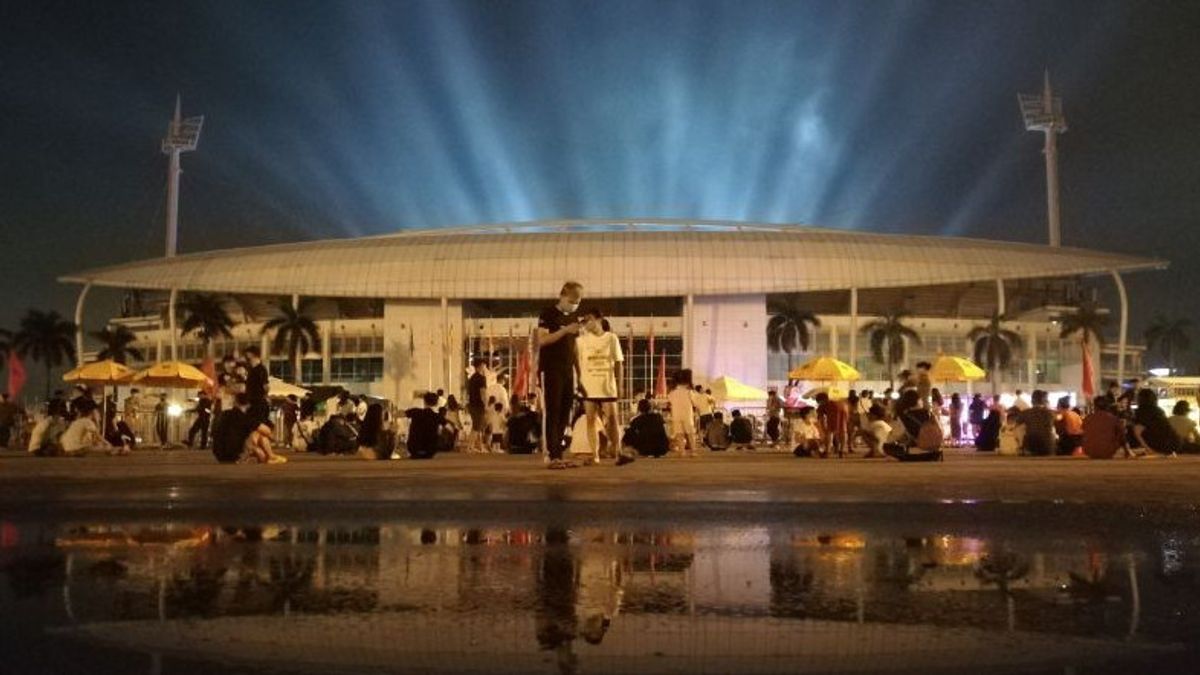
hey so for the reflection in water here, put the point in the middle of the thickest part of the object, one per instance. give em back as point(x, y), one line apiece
point(559, 598)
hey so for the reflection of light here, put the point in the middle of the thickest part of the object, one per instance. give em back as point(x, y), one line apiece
point(1160, 372)
point(174, 410)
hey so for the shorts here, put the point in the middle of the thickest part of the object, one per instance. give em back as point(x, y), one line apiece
point(476, 418)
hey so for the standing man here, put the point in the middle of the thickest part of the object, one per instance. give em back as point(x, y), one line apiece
point(203, 412)
point(257, 384)
point(557, 328)
point(477, 386)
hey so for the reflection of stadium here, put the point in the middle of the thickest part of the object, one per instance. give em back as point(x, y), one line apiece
point(402, 312)
point(452, 599)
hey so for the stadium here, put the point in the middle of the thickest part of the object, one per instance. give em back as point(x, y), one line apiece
point(406, 312)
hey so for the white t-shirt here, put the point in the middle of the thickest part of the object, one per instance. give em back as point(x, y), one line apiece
point(598, 357)
point(880, 430)
point(83, 433)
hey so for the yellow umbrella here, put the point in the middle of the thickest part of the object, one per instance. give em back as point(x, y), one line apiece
point(172, 375)
point(726, 388)
point(955, 369)
point(825, 369)
point(99, 373)
point(834, 393)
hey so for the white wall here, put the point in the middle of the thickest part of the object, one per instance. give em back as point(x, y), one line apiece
point(419, 363)
point(730, 338)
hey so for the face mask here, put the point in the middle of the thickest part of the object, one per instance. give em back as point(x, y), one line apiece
point(570, 307)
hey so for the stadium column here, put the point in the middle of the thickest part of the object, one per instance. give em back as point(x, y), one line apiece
point(79, 323)
point(689, 331)
point(853, 327)
point(326, 353)
point(1124, 334)
point(171, 324)
point(1000, 308)
point(446, 344)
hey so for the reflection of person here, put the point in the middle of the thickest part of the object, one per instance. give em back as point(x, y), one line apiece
point(557, 326)
point(555, 614)
point(599, 361)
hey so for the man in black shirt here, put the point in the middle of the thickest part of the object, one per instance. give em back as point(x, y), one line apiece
point(203, 411)
point(477, 386)
point(424, 428)
point(557, 328)
point(257, 384)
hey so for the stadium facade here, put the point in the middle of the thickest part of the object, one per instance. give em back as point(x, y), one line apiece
point(403, 312)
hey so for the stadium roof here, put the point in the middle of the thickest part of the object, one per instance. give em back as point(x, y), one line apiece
point(622, 258)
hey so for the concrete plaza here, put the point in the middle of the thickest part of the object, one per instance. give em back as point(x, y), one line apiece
point(170, 479)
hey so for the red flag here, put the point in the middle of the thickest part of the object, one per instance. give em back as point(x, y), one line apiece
point(1089, 376)
point(521, 381)
point(16, 375)
point(660, 385)
point(209, 368)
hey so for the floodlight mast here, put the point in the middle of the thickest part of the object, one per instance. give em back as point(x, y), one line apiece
point(1044, 113)
point(182, 136)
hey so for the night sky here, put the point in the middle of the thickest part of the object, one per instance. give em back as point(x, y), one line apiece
point(333, 119)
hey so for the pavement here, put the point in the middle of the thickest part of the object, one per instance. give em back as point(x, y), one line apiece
point(165, 480)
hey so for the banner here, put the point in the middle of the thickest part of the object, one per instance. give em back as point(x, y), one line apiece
point(16, 375)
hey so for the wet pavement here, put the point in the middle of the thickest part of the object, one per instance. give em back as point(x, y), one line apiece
point(168, 564)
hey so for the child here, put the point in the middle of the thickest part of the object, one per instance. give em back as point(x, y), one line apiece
point(1011, 434)
point(877, 432)
point(806, 434)
point(716, 435)
point(257, 447)
point(833, 420)
point(496, 427)
point(683, 414)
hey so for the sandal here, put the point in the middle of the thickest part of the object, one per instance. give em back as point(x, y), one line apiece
point(556, 464)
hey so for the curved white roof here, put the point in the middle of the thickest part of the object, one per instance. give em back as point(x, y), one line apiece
point(641, 258)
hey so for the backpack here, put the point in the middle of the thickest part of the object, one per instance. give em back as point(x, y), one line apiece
point(930, 436)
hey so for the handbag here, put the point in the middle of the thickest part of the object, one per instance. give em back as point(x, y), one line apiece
point(930, 436)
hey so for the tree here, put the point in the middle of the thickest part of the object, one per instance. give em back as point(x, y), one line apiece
point(995, 347)
point(790, 328)
point(294, 332)
point(45, 337)
point(204, 314)
point(6, 347)
point(1170, 336)
point(117, 343)
point(887, 336)
point(1086, 321)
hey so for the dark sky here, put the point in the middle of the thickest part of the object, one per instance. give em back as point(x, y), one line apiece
point(328, 119)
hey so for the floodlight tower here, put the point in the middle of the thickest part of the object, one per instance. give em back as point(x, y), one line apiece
point(182, 136)
point(1044, 113)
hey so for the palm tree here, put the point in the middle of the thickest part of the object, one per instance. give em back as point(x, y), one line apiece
point(45, 337)
point(295, 332)
point(887, 335)
point(205, 315)
point(116, 343)
point(1086, 320)
point(995, 347)
point(1170, 336)
point(790, 328)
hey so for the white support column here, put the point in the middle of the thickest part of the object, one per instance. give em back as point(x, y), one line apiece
point(445, 374)
point(326, 353)
point(173, 334)
point(299, 357)
point(1121, 339)
point(833, 340)
point(854, 327)
point(79, 323)
point(689, 331)
point(1001, 309)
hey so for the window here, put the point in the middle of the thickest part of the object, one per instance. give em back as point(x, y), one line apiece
point(356, 369)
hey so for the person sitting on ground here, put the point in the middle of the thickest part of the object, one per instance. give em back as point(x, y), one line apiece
point(834, 421)
point(119, 435)
point(1185, 427)
point(741, 431)
point(1069, 426)
point(371, 440)
point(425, 428)
point(877, 431)
point(806, 434)
point(1151, 430)
point(716, 434)
point(1103, 431)
point(46, 433)
point(337, 437)
point(916, 436)
point(83, 434)
point(524, 430)
point(256, 449)
point(1012, 433)
point(1039, 425)
point(233, 435)
point(647, 432)
point(987, 432)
